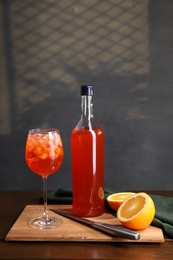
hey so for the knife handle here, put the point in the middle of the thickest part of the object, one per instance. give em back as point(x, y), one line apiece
point(118, 231)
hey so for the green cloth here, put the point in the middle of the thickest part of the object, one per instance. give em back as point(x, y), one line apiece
point(163, 204)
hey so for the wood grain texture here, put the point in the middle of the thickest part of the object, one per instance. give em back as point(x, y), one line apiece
point(70, 230)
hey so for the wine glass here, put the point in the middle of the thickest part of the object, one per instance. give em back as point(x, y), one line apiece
point(44, 155)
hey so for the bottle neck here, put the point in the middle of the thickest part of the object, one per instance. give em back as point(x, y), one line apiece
point(87, 106)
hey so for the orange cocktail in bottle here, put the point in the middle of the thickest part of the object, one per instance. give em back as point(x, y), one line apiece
point(88, 166)
point(87, 147)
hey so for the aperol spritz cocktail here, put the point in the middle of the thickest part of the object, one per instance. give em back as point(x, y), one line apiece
point(44, 156)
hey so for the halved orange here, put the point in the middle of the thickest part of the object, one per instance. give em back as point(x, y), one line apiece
point(137, 212)
point(116, 199)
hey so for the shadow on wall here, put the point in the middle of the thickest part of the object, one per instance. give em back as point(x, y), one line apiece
point(49, 49)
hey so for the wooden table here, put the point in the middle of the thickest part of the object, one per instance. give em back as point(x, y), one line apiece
point(13, 202)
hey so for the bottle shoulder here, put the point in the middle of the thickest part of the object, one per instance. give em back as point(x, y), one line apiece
point(85, 123)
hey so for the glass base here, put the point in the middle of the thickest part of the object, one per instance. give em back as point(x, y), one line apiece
point(43, 223)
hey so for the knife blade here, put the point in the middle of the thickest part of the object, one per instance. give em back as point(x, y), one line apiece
point(118, 231)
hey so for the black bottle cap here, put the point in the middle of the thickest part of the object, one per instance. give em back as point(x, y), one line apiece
point(87, 90)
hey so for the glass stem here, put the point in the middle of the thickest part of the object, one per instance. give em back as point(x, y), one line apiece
point(46, 213)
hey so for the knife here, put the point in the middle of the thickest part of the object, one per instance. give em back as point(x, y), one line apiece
point(114, 230)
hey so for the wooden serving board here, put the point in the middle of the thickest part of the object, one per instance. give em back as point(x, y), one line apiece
point(71, 230)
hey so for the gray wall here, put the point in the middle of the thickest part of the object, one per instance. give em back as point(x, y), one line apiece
point(125, 49)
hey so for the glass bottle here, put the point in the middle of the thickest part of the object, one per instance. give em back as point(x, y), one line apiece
point(87, 144)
